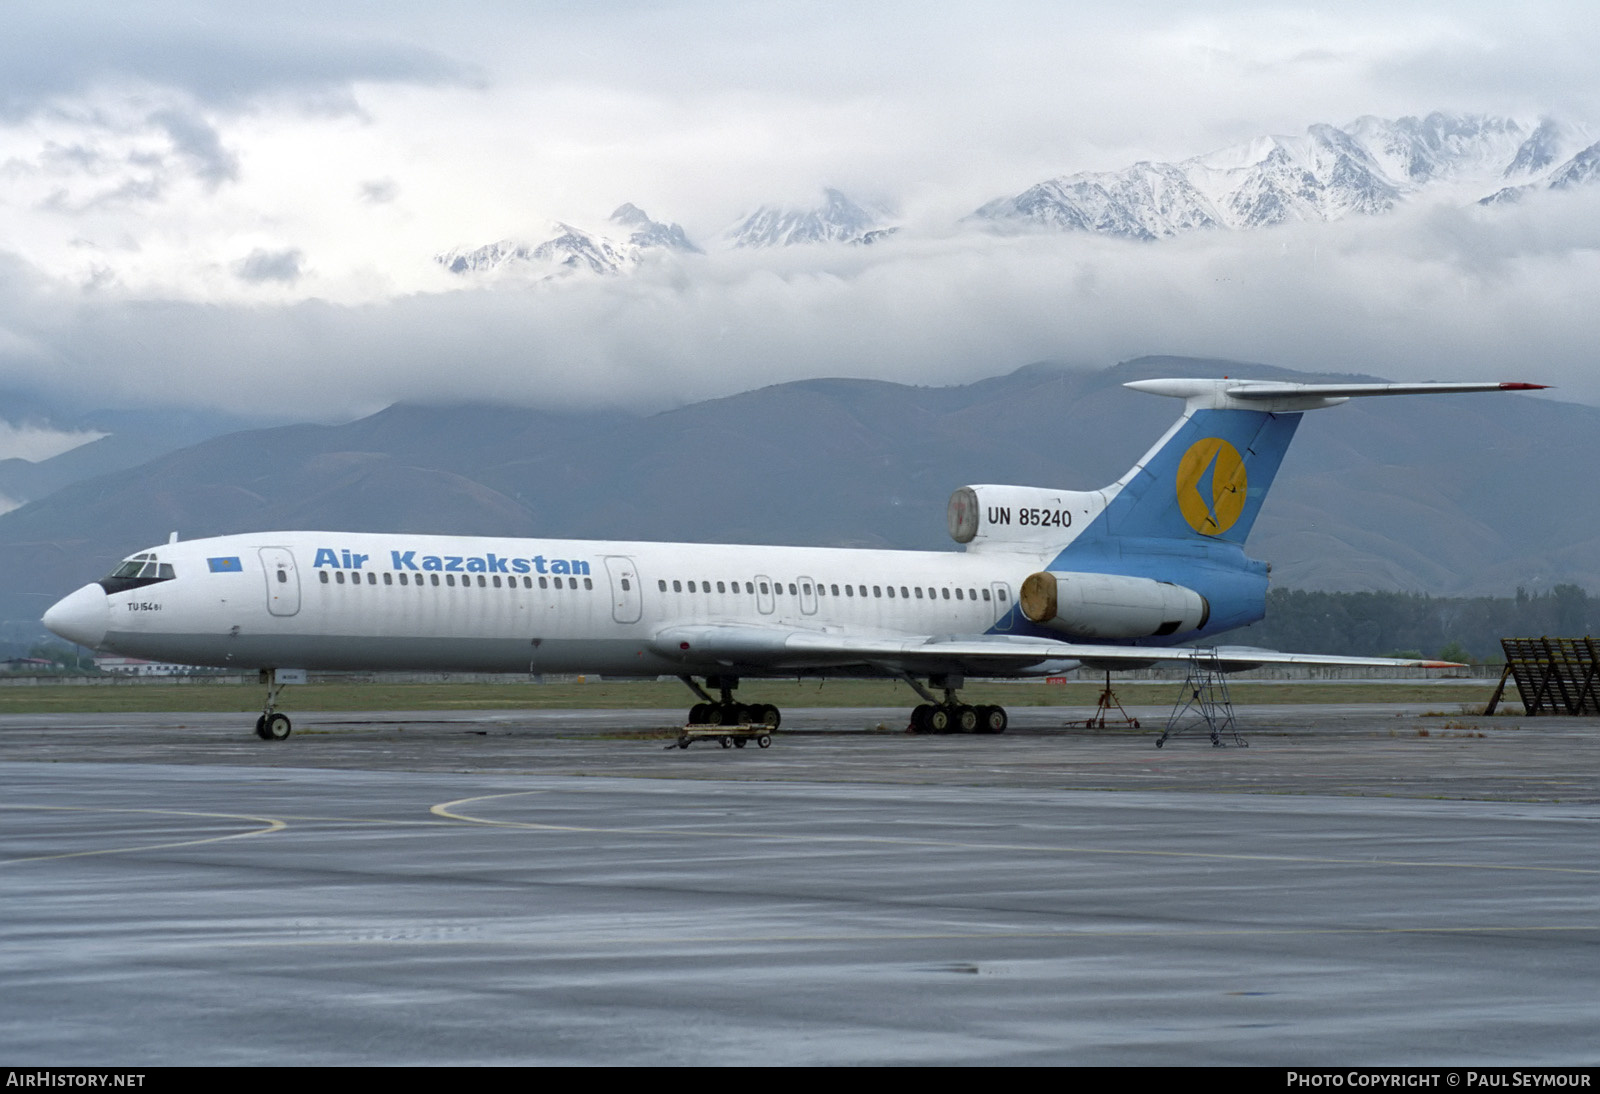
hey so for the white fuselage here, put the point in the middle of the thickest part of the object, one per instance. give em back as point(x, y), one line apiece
point(359, 601)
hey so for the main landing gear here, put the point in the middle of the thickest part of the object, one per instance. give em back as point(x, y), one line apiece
point(272, 726)
point(951, 715)
point(727, 712)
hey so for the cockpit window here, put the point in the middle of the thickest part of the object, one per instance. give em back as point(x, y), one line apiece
point(136, 572)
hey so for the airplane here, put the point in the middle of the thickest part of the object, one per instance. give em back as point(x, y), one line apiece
point(1126, 576)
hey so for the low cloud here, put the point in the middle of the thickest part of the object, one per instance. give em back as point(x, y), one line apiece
point(35, 443)
point(1469, 294)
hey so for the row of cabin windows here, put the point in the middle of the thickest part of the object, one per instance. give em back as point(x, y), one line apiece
point(805, 588)
point(484, 581)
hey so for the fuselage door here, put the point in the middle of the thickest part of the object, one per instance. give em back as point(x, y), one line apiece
point(808, 596)
point(627, 601)
point(283, 580)
point(1002, 605)
point(764, 594)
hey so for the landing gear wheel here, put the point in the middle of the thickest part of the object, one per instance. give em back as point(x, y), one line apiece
point(715, 714)
point(992, 719)
point(939, 720)
point(698, 714)
point(275, 727)
point(919, 718)
point(966, 719)
point(261, 727)
point(767, 715)
point(764, 741)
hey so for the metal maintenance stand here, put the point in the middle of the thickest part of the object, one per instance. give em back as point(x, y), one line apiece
point(1108, 701)
point(1204, 702)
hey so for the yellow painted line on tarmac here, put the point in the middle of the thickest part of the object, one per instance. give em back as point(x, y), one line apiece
point(449, 810)
point(269, 824)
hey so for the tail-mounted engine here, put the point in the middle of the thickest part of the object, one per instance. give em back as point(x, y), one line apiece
point(1111, 606)
point(1020, 517)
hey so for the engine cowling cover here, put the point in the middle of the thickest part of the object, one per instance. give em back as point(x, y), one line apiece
point(1111, 605)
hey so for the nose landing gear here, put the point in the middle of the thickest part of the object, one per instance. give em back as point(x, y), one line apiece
point(272, 726)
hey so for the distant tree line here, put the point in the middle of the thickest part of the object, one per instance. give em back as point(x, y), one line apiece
point(1412, 624)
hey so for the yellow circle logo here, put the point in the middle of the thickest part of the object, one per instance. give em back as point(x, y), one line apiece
point(1211, 486)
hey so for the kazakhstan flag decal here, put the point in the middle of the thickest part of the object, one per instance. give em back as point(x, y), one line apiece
point(228, 565)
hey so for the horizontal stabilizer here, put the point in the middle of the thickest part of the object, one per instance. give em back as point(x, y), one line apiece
point(1274, 395)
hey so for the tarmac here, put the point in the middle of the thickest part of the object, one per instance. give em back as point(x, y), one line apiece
point(1361, 885)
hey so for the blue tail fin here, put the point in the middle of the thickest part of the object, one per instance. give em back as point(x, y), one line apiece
point(1206, 479)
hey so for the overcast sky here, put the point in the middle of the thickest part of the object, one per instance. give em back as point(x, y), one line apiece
point(206, 206)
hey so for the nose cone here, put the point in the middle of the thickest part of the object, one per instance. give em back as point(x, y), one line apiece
point(81, 617)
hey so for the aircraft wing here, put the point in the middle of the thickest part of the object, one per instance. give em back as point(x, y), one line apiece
point(779, 648)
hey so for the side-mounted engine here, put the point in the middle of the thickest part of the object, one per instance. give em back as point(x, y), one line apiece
point(1111, 605)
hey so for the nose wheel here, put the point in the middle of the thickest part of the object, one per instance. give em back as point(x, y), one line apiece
point(272, 726)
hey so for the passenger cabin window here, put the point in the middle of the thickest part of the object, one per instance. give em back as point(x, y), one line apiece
point(323, 574)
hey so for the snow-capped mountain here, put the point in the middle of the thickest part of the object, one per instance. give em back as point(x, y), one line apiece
point(644, 232)
point(1581, 170)
point(1329, 173)
point(837, 220)
point(573, 249)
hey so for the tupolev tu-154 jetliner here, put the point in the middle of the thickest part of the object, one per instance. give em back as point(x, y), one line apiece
point(1048, 580)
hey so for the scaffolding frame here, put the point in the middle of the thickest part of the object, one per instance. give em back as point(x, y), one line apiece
point(1204, 704)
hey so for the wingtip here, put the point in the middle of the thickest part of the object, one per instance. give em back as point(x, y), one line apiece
point(1523, 387)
